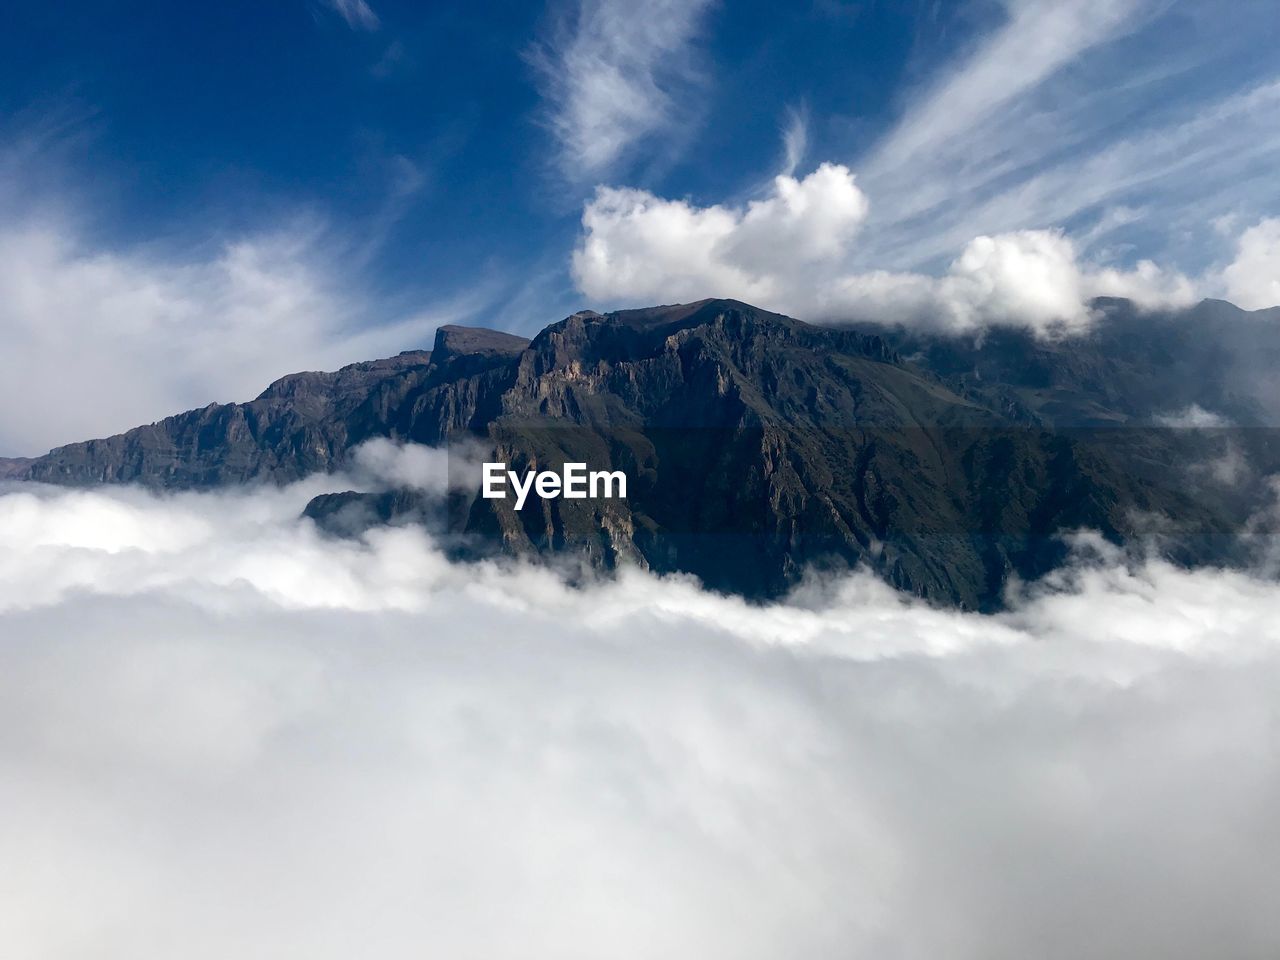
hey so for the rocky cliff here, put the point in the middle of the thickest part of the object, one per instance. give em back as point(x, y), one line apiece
point(759, 446)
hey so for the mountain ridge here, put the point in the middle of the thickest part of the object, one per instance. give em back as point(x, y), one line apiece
point(761, 445)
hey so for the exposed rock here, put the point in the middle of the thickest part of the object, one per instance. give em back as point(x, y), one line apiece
point(758, 446)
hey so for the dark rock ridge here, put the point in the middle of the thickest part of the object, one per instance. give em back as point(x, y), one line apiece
point(14, 468)
point(758, 446)
point(301, 424)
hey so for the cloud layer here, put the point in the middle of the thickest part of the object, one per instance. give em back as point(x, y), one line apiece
point(224, 734)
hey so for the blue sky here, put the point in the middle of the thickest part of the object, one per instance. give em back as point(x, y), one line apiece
point(424, 129)
point(199, 197)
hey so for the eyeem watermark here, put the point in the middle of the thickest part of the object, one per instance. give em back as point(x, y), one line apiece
point(575, 482)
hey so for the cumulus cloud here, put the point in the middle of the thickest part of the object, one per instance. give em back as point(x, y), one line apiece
point(791, 251)
point(610, 72)
point(222, 733)
point(1031, 278)
point(636, 245)
point(1252, 279)
point(99, 341)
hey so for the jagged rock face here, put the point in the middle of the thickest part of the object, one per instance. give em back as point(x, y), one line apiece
point(756, 446)
point(301, 424)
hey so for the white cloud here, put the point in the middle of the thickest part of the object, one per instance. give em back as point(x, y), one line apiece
point(97, 342)
point(358, 14)
point(402, 466)
point(223, 734)
point(610, 73)
point(636, 245)
point(791, 252)
point(1252, 279)
point(1031, 278)
point(1194, 417)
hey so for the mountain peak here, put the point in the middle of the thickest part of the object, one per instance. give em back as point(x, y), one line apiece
point(453, 341)
point(689, 314)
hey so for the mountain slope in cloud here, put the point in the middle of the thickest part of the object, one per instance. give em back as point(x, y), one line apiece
point(758, 446)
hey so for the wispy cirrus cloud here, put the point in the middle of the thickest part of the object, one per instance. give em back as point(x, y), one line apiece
point(795, 140)
point(1066, 112)
point(1206, 161)
point(613, 72)
point(357, 13)
point(1039, 38)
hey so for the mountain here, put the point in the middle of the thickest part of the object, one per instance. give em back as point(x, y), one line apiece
point(758, 446)
point(1133, 365)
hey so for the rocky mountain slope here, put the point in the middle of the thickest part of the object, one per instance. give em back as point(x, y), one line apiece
point(758, 446)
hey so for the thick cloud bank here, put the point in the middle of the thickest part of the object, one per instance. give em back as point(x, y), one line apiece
point(791, 251)
point(1252, 280)
point(222, 734)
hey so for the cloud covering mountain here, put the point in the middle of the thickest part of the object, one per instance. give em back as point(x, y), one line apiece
point(793, 251)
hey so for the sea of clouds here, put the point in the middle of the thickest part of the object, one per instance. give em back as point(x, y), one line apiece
point(226, 734)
